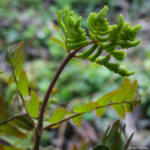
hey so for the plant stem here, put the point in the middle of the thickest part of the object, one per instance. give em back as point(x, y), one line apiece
point(39, 128)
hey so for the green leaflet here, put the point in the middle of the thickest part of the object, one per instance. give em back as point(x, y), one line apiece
point(88, 52)
point(75, 35)
point(33, 105)
point(58, 42)
point(119, 54)
point(3, 111)
point(15, 60)
point(18, 66)
point(15, 53)
point(120, 110)
point(100, 111)
point(98, 25)
point(23, 83)
point(77, 120)
point(58, 115)
point(11, 79)
point(86, 108)
point(23, 122)
point(11, 130)
point(122, 100)
point(103, 101)
point(122, 91)
point(132, 91)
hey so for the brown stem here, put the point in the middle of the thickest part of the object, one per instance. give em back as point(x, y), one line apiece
point(39, 128)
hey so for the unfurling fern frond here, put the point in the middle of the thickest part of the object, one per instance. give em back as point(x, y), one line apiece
point(104, 37)
point(109, 37)
point(74, 34)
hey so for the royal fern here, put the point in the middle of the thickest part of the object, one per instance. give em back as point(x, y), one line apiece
point(103, 37)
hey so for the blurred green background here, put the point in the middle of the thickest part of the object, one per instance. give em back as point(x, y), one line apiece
point(32, 21)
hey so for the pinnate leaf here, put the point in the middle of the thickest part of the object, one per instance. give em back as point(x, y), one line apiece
point(122, 100)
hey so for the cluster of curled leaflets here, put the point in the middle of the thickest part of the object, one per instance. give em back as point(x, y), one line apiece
point(103, 37)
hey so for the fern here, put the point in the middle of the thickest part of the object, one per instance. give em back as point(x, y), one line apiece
point(104, 37)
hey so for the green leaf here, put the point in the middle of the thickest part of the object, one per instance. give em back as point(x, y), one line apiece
point(18, 66)
point(11, 130)
point(23, 83)
point(33, 105)
point(16, 53)
point(132, 91)
point(77, 120)
point(75, 35)
point(100, 112)
point(23, 122)
point(58, 115)
point(86, 108)
point(3, 111)
point(120, 110)
point(130, 106)
point(11, 79)
point(58, 42)
point(103, 101)
point(122, 91)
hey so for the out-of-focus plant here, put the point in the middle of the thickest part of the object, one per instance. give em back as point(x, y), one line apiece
point(104, 38)
point(114, 139)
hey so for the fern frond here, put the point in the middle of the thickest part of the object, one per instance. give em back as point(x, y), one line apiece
point(104, 37)
point(75, 35)
point(109, 37)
